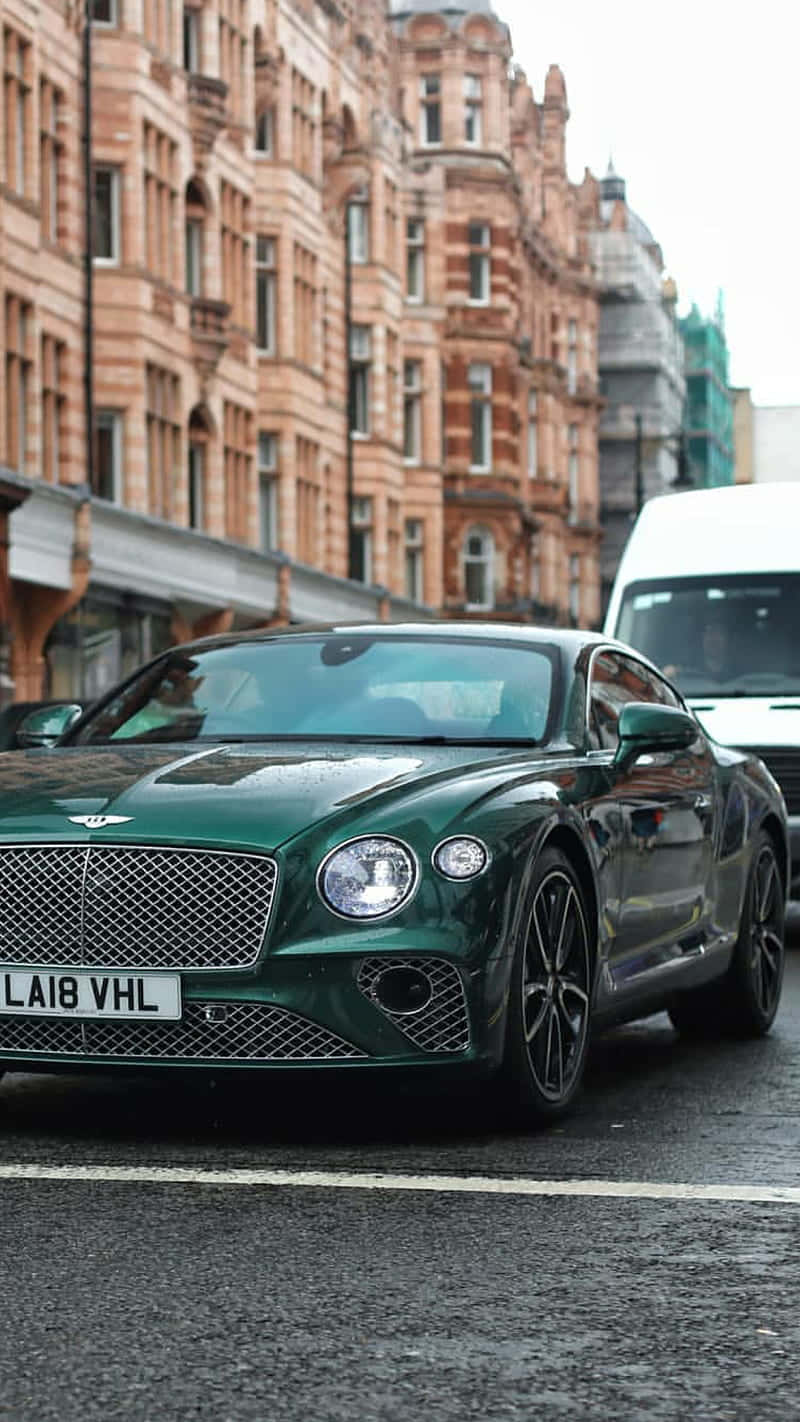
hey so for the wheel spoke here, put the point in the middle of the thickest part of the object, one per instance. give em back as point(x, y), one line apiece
point(555, 1046)
point(566, 932)
point(573, 1025)
point(538, 1022)
point(539, 936)
point(765, 885)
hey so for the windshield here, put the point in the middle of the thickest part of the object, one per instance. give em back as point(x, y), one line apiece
point(720, 636)
point(336, 686)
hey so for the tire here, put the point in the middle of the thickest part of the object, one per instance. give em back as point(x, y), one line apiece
point(744, 1002)
point(550, 999)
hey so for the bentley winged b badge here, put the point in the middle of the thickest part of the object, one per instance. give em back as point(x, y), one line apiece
point(99, 821)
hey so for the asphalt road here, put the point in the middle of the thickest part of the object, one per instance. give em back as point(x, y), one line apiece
point(173, 1298)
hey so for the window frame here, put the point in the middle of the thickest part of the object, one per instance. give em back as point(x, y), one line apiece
point(415, 255)
point(266, 284)
point(109, 416)
point(115, 214)
point(481, 398)
point(479, 263)
point(430, 101)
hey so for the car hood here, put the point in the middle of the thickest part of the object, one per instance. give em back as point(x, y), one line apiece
point(750, 720)
point(253, 796)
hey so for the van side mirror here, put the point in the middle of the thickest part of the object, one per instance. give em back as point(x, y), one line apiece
point(644, 727)
point(46, 725)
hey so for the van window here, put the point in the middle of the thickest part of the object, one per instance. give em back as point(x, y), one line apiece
point(718, 636)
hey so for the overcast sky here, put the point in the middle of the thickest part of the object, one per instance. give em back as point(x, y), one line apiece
point(699, 102)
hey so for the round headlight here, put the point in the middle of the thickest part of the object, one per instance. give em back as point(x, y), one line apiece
point(368, 877)
point(461, 858)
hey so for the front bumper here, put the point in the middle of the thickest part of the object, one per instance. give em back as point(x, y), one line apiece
point(303, 1012)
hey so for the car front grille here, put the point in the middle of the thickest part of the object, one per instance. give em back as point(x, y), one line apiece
point(442, 1025)
point(208, 1031)
point(130, 906)
point(784, 764)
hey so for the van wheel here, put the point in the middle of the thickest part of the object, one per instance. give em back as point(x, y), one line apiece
point(745, 1001)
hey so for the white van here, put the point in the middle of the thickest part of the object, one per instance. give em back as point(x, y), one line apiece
point(709, 588)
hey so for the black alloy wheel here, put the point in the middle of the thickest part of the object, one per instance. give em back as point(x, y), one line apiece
point(551, 993)
point(745, 1002)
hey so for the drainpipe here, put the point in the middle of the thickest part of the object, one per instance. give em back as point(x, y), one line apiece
point(88, 256)
point(348, 321)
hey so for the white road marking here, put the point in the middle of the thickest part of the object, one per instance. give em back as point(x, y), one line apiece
point(439, 1184)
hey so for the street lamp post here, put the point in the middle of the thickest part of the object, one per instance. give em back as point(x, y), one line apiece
point(88, 217)
point(678, 442)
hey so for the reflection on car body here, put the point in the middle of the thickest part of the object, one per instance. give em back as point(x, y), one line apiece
point(412, 847)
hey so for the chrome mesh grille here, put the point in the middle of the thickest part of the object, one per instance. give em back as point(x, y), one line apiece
point(250, 1032)
point(443, 1024)
point(784, 763)
point(127, 906)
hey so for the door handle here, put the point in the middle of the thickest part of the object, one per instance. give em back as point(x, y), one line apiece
point(702, 802)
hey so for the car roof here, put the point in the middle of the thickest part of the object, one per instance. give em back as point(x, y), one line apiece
point(569, 639)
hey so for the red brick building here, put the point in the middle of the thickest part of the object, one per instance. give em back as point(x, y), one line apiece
point(343, 360)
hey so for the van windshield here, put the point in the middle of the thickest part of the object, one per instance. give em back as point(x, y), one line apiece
point(718, 636)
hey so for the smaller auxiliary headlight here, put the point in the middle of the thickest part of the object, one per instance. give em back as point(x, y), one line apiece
point(461, 857)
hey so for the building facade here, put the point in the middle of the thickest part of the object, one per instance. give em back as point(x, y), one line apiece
point(339, 356)
point(640, 361)
point(709, 401)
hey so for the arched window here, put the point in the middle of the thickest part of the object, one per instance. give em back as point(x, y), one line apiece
point(200, 432)
point(196, 212)
point(478, 558)
point(265, 133)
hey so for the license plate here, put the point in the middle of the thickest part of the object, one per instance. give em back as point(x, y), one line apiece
point(58, 993)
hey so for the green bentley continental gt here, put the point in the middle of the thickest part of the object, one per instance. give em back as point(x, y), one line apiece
point(384, 848)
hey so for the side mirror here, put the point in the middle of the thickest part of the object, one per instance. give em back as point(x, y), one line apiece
point(46, 725)
point(646, 727)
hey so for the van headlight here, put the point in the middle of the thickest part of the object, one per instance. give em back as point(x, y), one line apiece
point(367, 878)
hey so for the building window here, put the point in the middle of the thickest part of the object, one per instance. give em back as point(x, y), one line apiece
point(307, 500)
point(265, 133)
point(17, 107)
point(573, 470)
point(358, 227)
point(237, 422)
point(200, 430)
point(160, 203)
point(415, 558)
point(360, 350)
point(575, 587)
point(479, 263)
point(267, 491)
point(415, 259)
point(107, 474)
point(19, 368)
point(473, 122)
point(479, 381)
point(305, 305)
point(303, 124)
point(430, 89)
point(51, 159)
point(361, 539)
point(194, 256)
point(572, 357)
point(106, 225)
point(163, 439)
point(412, 411)
point(265, 295)
point(479, 569)
point(233, 52)
point(53, 407)
point(191, 40)
point(197, 485)
point(533, 433)
point(235, 221)
point(104, 12)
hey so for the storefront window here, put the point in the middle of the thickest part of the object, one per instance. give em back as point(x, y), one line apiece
point(102, 640)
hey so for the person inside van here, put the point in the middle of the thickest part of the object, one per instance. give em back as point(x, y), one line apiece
point(716, 649)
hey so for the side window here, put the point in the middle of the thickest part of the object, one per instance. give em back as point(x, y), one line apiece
point(615, 681)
